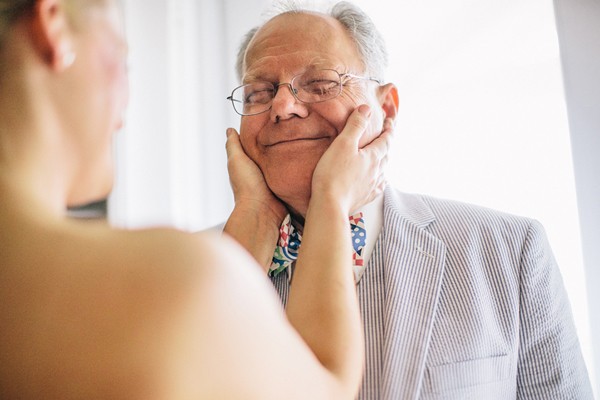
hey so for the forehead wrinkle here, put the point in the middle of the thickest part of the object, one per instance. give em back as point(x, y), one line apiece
point(325, 63)
point(270, 67)
point(271, 73)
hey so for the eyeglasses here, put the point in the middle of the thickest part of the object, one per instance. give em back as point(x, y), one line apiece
point(313, 86)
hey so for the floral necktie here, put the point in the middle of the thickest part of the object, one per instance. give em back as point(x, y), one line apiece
point(289, 241)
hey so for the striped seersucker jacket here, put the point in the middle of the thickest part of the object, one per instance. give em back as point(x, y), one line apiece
point(462, 302)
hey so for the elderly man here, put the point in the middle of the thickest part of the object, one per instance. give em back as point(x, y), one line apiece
point(457, 301)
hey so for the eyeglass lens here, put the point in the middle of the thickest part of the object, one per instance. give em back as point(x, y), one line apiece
point(312, 86)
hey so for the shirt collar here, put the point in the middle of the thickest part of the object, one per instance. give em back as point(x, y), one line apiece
point(373, 216)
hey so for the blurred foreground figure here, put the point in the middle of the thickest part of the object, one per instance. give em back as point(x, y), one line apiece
point(90, 312)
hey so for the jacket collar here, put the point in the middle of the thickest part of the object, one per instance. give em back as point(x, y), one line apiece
point(414, 262)
point(411, 208)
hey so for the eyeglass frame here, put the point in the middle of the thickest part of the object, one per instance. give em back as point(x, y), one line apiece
point(294, 91)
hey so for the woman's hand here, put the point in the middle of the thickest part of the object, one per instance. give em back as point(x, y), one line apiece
point(257, 215)
point(348, 174)
point(250, 191)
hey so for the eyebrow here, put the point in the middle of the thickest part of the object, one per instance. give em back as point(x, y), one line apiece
point(314, 64)
point(254, 77)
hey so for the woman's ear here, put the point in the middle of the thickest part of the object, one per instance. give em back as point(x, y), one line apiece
point(52, 35)
point(388, 98)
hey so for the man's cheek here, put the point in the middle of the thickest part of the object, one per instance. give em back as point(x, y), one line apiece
point(244, 141)
point(249, 147)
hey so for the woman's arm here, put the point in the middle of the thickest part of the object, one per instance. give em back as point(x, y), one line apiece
point(257, 214)
point(322, 304)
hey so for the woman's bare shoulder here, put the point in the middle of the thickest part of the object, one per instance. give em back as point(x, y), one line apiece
point(156, 248)
point(108, 305)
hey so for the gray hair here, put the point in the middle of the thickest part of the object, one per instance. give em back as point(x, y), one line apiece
point(362, 30)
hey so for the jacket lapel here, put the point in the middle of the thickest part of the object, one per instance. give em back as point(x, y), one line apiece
point(413, 268)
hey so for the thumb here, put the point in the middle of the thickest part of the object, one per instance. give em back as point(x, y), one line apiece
point(233, 145)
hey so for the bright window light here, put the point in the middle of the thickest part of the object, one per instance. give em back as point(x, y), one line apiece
point(483, 117)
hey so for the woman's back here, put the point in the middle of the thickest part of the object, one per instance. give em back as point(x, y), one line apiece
point(72, 292)
point(160, 312)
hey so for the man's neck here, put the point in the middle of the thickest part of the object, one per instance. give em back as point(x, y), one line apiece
point(297, 218)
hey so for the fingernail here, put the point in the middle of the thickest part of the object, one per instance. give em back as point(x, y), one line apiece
point(228, 131)
point(364, 110)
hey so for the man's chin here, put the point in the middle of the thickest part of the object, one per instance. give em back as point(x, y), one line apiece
point(292, 188)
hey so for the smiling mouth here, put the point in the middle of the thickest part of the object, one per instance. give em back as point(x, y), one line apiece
point(298, 140)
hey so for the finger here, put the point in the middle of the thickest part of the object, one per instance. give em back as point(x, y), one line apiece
point(233, 145)
point(380, 146)
point(378, 188)
point(357, 123)
point(387, 130)
point(382, 184)
point(389, 124)
point(383, 162)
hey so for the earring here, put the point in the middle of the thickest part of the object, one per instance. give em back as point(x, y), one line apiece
point(68, 58)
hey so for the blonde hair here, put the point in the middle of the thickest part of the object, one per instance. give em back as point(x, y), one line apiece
point(11, 10)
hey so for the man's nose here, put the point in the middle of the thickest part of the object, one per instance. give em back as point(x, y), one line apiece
point(285, 104)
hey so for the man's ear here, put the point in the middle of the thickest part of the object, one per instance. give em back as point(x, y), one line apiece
point(388, 98)
point(52, 35)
